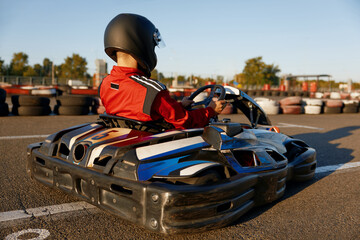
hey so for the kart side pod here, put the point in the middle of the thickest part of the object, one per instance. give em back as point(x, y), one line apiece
point(215, 134)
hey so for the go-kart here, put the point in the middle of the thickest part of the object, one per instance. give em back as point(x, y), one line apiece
point(174, 181)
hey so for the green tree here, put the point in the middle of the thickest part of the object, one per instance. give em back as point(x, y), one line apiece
point(155, 74)
point(38, 70)
point(270, 74)
point(29, 72)
point(256, 72)
point(2, 67)
point(74, 67)
point(253, 71)
point(47, 67)
point(19, 64)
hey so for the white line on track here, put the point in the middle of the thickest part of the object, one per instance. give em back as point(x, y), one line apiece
point(43, 211)
point(76, 206)
point(22, 137)
point(287, 125)
point(338, 167)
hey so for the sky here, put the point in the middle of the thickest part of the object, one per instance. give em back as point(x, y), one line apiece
point(203, 37)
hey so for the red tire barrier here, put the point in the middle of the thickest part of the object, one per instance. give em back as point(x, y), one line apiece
point(291, 109)
point(296, 100)
point(334, 103)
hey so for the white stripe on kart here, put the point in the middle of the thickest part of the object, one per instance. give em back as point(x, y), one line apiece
point(194, 169)
point(96, 152)
point(158, 149)
point(73, 139)
point(23, 137)
point(76, 206)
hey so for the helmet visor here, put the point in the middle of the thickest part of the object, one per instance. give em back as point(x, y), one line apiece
point(158, 39)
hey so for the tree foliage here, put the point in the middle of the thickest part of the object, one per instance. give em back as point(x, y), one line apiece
point(2, 67)
point(47, 67)
point(257, 72)
point(19, 64)
point(74, 67)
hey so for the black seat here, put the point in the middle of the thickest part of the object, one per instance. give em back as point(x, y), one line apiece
point(121, 122)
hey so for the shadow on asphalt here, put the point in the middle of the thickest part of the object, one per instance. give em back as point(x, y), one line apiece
point(327, 154)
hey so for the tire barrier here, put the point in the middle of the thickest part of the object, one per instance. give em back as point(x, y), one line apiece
point(332, 110)
point(270, 107)
point(25, 105)
point(334, 103)
point(4, 107)
point(2, 95)
point(291, 109)
point(312, 106)
point(335, 95)
point(312, 109)
point(73, 105)
point(351, 106)
point(29, 105)
point(296, 100)
point(291, 105)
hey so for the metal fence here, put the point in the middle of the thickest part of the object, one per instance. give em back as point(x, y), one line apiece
point(46, 81)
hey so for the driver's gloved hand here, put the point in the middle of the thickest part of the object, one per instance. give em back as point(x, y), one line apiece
point(185, 102)
point(218, 106)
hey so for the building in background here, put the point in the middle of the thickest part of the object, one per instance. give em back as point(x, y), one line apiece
point(100, 72)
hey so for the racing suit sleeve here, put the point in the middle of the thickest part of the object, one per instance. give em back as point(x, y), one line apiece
point(173, 112)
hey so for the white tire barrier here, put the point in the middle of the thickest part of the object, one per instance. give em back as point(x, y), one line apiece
point(311, 109)
point(270, 107)
point(319, 95)
point(335, 95)
point(313, 102)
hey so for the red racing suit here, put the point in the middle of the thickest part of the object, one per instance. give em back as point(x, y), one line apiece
point(126, 92)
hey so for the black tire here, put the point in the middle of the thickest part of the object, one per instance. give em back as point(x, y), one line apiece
point(4, 109)
point(2, 95)
point(291, 94)
point(275, 93)
point(72, 110)
point(259, 93)
point(251, 93)
point(33, 110)
point(24, 100)
point(70, 100)
point(268, 93)
point(283, 94)
point(332, 110)
point(350, 109)
point(64, 89)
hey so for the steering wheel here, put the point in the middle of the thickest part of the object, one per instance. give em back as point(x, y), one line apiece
point(207, 101)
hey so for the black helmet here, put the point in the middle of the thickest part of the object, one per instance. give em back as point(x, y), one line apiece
point(135, 35)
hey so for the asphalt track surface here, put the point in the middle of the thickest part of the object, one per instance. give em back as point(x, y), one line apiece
point(326, 207)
